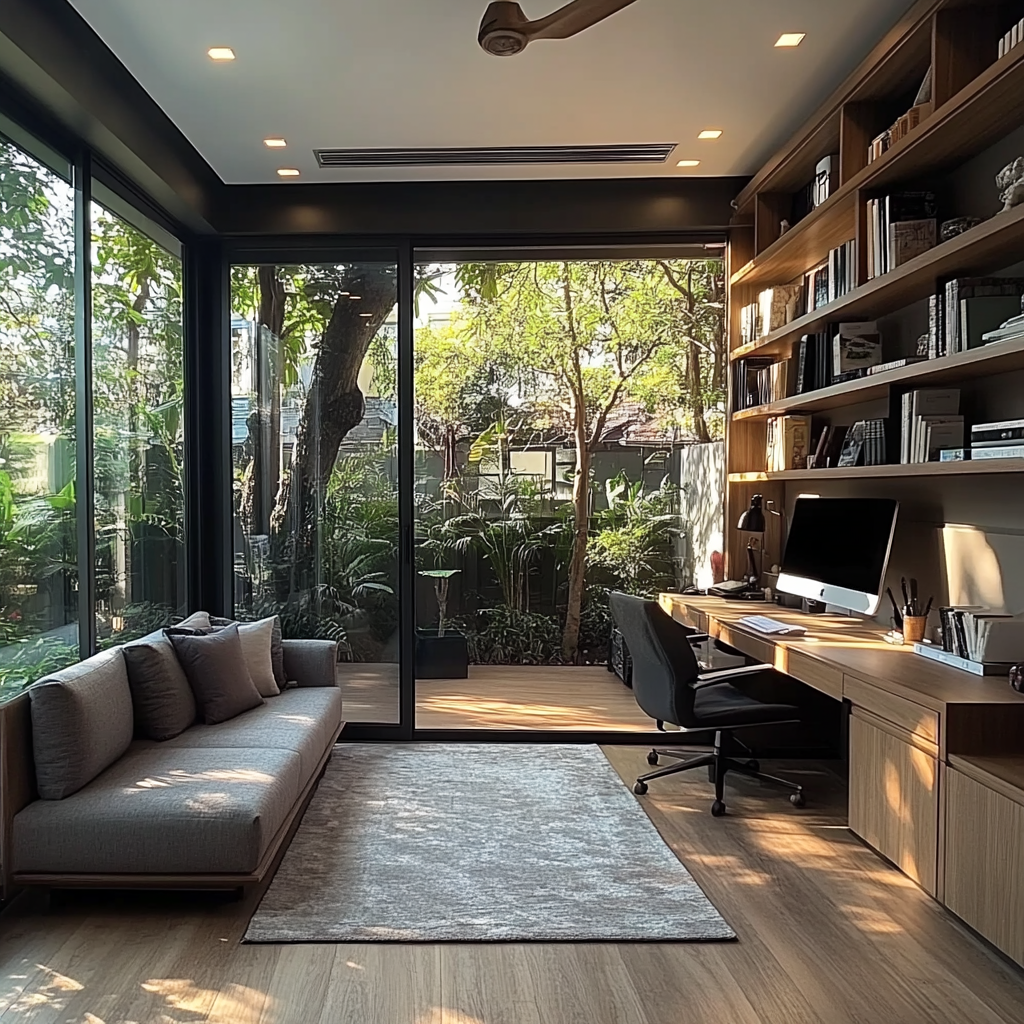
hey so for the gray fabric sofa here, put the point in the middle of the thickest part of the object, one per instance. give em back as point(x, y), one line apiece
point(213, 807)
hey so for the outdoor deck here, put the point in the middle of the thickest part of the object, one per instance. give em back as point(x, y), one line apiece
point(498, 697)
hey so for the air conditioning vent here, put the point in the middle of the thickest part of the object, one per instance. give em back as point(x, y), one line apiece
point(649, 153)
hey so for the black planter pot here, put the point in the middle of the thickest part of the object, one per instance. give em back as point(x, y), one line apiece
point(441, 657)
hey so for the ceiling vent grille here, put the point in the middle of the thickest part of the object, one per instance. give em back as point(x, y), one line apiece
point(649, 153)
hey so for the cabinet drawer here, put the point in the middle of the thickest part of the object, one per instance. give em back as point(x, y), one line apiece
point(914, 718)
point(812, 672)
point(894, 800)
point(984, 876)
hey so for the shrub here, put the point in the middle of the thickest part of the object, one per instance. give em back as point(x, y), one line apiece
point(504, 636)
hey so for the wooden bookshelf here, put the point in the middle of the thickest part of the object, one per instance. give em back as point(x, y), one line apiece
point(998, 357)
point(977, 100)
point(985, 247)
point(989, 467)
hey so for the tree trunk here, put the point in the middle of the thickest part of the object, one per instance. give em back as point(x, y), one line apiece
point(334, 405)
point(700, 426)
point(581, 528)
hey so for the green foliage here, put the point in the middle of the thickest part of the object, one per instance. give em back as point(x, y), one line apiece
point(631, 536)
point(509, 636)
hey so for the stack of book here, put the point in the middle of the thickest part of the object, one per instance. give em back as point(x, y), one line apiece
point(900, 227)
point(773, 308)
point(864, 444)
point(1002, 440)
point(760, 380)
point(1012, 39)
point(968, 309)
point(930, 423)
point(980, 635)
point(903, 125)
point(789, 443)
point(829, 447)
point(813, 363)
point(842, 270)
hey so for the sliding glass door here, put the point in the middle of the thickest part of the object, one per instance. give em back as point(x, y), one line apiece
point(314, 376)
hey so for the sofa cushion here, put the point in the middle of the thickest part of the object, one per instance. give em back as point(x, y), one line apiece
point(197, 620)
point(164, 810)
point(81, 722)
point(162, 699)
point(303, 721)
point(216, 671)
point(276, 649)
point(258, 649)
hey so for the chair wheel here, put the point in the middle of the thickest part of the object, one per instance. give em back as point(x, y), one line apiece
point(652, 757)
point(718, 808)
point(797, 800)
point(639, 787)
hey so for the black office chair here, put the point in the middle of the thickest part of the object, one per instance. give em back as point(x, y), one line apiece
point(669, 686)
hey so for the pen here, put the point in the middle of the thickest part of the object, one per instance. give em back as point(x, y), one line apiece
point(928, 607)
point(897, 617)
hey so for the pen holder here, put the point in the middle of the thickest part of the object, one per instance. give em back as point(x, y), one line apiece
point(913, 628)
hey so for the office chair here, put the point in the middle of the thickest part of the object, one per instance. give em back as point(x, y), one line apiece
point(670, 687)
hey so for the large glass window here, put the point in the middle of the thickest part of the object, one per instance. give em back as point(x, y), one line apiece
point(38, 561)
point(137, 387)
point(314, 446)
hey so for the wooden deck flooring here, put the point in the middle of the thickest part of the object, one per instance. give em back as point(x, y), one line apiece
point(498, 697)
point(828, 934)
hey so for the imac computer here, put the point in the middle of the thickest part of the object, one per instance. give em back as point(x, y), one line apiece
point(838, 549)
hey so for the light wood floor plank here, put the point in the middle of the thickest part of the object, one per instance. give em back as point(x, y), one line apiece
point(829, 934)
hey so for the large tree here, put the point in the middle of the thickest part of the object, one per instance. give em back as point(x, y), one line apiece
point(590, 335)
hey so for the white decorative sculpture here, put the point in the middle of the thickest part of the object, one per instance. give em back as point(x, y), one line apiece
point(1010, 181)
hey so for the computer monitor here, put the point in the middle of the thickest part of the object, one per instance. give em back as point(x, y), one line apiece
point(838, 549)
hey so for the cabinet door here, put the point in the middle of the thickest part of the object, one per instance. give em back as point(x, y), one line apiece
point(894, 799)
point(985, 862)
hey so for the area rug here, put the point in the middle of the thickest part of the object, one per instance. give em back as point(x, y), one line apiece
point(430, 842)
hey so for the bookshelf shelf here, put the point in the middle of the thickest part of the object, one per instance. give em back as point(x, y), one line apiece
point(999, 357)
point(984, 247)
point(991, 467)
point(988, 108)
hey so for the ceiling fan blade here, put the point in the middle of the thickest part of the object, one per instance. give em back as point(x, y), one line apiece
point(573, 18)
point(505, 30)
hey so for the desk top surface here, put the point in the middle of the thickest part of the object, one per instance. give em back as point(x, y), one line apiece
point(855, 647)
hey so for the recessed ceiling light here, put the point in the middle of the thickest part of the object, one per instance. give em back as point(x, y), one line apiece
point(287, 172)
point(710, 133)
point(790, 39)
point(220, 53)
point(688, 163)
point(274, 143)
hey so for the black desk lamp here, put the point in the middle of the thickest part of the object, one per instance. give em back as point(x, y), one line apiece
point(752, 521)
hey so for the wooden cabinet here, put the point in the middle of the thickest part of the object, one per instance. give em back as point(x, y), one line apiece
point(984, 864)
point(894, 798)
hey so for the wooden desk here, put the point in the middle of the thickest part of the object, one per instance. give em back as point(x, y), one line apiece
point(913, 723)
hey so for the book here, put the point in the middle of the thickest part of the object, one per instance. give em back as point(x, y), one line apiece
point(896, 364)
point(935, 653)
point(855, 346)
point(918, 408)
point(936, 337)
point(910, 238)
point(853, 445)
point(789, 443)
point(960, 288)
point(940, 434)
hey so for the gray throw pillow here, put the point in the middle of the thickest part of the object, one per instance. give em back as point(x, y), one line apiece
point(276, 647)
point(215, 667)
point(161, 696)
point(197, 620)
point(81, 723)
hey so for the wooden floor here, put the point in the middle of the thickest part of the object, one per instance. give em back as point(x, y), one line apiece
point(498, 697)
point(828, 934)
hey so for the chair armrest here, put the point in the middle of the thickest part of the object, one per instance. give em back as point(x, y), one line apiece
point(723, 675)
point(311, 662)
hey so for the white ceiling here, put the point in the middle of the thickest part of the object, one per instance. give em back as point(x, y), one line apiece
point(382, 73)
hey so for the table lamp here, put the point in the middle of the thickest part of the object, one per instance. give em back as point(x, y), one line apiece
point(752, 521)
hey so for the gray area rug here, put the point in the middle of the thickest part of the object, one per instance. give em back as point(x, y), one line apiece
point(421, 842)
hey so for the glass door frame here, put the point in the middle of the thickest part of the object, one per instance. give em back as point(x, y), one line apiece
point(290, 250)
